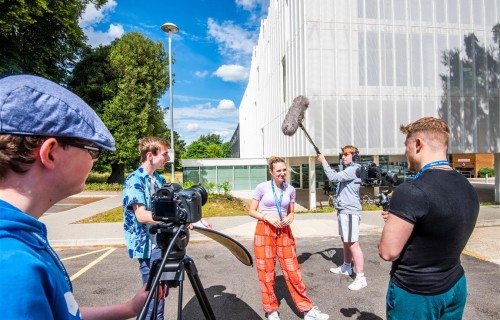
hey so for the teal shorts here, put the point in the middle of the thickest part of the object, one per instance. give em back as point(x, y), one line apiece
point(401, 304)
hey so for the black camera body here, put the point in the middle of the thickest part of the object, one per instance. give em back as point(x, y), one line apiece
point(172, 204)
point(370, 174)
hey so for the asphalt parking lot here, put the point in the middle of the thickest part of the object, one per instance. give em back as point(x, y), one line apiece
point(106, 275)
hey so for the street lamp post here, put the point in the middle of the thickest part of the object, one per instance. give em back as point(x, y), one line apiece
point(171, 28)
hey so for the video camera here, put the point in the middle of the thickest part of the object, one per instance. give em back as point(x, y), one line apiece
point(371, 175)
point(172, 204)
point(175, 207)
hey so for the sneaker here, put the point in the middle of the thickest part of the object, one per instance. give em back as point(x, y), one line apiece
point(273, 315)
point(340, 270)
point(315, 314)
point(358, 284)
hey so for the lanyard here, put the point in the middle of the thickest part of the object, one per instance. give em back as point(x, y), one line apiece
point(278, 204)
point(56, 259)
point(431, 164)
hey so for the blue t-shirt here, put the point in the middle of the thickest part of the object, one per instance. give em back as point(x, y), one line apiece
point(33, 281)
point(137, 189)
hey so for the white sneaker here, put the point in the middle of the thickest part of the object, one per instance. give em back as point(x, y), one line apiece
point(315, 314)
point(273, 315)
point(358, 284)
point(340, 270)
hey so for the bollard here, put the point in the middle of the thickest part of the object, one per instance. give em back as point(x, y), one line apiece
point(486, 178)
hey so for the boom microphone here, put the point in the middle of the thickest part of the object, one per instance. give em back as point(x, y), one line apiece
point(295, 116)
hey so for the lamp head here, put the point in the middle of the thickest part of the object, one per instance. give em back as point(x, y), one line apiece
point(170, 27)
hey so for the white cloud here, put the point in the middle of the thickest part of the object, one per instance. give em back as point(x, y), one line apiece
point(92, 17)
point(223, 134)
point(232, 73)
point(234, 42)
point(201, 74)
point(191, 127)
point(226, 105)
point(194, 118)
point(96, 38)
point(252, 4)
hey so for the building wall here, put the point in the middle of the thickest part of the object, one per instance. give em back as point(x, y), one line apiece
point(368, 66)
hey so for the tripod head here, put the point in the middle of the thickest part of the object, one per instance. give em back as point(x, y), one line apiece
point(165, 235)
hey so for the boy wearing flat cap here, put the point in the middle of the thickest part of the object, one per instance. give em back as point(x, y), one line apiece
point(49, 140)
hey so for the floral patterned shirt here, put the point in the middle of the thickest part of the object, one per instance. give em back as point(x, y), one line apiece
point(137, 189)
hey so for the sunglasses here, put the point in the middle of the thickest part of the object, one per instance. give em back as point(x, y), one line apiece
point(93, 151)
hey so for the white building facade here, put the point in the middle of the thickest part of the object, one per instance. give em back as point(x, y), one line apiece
point(368, 66)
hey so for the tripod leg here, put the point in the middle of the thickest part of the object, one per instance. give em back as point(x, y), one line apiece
point(192, 272)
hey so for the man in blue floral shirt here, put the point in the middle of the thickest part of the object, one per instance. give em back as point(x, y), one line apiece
point(137, 191)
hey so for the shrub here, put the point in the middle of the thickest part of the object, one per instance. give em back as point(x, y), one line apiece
point(486, 171)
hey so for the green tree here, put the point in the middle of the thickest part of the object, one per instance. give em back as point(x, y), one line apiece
point(214, 151)
point(211, 138)
point(196, 150)
point(93, 78)
point(179, 148)
point(41, 37)
point(226, 148)
point(140, 67)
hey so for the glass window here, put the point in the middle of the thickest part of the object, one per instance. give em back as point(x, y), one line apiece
point(295, 176)
point(241, 178)
point(258, 174)
point(401, 60)
point(305, 176)
point(208, 174)
point(225, 174)
point(191, 174)
point(372, 51)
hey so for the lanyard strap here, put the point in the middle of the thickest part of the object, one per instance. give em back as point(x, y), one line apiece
point(431, 164)
point(278, 204)
point(56, 259)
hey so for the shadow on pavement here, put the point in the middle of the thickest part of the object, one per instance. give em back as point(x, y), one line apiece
point(224, 304)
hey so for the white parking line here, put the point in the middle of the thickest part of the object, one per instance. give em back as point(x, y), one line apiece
point(93, 263)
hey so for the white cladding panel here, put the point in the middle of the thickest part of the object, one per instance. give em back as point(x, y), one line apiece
point(368, 66)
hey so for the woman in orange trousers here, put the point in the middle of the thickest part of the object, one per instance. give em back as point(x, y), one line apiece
point(273, 238)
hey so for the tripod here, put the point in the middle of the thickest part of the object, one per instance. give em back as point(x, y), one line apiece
point(173, 273)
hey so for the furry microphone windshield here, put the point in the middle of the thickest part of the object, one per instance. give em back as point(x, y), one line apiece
point(295, 116)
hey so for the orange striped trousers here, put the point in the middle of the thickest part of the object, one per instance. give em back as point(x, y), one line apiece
point(270, 242)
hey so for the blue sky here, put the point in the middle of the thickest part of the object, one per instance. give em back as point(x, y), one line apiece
point(212, 53)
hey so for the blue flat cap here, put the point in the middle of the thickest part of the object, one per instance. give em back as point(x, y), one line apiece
point(31, 105)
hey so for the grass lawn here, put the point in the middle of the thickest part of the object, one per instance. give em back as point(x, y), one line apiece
point(215, 207)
